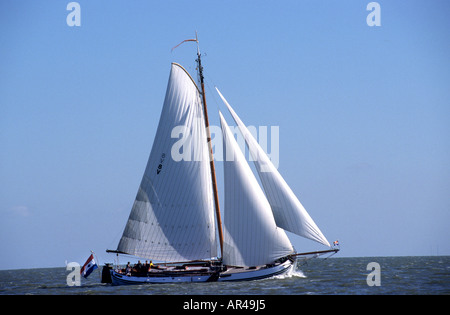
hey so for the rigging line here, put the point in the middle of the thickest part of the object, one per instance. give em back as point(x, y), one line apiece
point(209, 81)
point(116, 239)
point(213, 93)
point(310, 256)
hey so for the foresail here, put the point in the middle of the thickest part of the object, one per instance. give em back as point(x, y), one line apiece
point(251, 237)
point(172, 217)
point(289, 213)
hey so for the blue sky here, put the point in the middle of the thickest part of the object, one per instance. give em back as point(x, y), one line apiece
point(363, 113)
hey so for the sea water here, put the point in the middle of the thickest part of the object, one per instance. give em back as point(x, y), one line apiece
point(333, 276)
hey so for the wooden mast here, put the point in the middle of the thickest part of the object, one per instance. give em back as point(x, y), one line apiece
point(211, 158)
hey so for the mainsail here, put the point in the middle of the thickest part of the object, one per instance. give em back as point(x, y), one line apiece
point(251, 237)
point(289, 213)
point(172, 218)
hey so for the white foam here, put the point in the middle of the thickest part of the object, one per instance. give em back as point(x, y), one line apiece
point(293, 272)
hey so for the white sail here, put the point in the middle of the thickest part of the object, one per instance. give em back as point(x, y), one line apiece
point(172, 217)
point(289, 213)
point(251, 236)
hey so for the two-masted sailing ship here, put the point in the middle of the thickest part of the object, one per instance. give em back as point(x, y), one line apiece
point(176, 218)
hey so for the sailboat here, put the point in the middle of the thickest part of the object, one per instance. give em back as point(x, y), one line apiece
point(176, 217)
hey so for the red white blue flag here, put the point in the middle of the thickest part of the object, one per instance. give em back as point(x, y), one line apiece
point(89, 266)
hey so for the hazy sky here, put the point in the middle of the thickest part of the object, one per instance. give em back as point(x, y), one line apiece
point(363, 114)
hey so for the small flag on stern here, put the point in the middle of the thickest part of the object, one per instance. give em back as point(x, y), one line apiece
point(89, 266)
point(336, 243)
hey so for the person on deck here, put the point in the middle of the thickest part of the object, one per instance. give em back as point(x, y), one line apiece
point(128, 269)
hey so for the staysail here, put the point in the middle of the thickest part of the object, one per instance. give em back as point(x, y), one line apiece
point(251, 237)
point(172, 217)
point(289, 213)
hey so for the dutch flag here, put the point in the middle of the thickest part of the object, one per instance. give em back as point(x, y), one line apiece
point(88, 266)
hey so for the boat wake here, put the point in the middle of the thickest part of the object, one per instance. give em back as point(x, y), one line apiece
point(293, 273)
